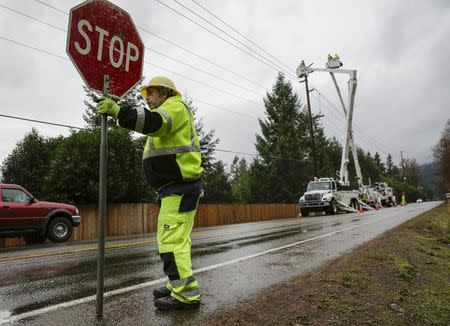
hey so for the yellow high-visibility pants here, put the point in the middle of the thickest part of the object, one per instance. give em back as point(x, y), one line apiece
point(175, 223)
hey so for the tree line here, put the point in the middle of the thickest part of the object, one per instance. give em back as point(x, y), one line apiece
point(66, 168)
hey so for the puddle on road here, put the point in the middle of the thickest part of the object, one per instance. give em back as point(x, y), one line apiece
point(231, 244)
point(314, 228)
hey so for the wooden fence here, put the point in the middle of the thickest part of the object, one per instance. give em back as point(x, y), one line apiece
point(129, 219)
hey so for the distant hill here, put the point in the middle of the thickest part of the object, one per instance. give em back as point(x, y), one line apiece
point(429, 174)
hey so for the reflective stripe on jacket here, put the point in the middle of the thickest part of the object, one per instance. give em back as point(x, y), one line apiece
point(172, 152)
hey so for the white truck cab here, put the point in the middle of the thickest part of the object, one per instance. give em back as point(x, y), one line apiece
point(327, 195)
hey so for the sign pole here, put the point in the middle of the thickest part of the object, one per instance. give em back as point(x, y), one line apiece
point(110, 62)
point(102, 205)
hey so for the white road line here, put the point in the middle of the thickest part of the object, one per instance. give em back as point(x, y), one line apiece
point(48, 309)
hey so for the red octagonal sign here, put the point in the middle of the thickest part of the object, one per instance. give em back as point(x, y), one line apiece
point(102, 40)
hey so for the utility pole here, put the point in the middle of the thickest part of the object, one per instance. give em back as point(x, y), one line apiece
point(333, 67)
point(403, 166)
point(311, 132)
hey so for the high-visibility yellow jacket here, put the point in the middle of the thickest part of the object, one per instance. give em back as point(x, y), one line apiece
point(172, 152)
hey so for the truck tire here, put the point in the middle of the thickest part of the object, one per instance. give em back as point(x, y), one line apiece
point(304, 212)
point(354, 204)
point(59, 229)
point(332, 210)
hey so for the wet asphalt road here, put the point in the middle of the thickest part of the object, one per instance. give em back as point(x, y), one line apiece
point(233, 263)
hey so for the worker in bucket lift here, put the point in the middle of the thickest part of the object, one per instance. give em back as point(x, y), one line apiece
point(172, 166)
point(335, 62)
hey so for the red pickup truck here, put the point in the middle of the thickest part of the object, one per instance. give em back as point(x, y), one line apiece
point(22, 215)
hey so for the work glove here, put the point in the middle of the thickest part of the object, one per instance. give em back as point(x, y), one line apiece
point(108, 107)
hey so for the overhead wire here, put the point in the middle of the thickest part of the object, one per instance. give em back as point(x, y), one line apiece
point(41, 121)
point(174, 44)
point(41, 2)
point(162, 54)
point(213, 33)
point(67, 59)
point(356, 128)
point(342, 120)
point(226, 33)
point(31, 17)
point(203, 83)
point(203, 71)
point(362, 137)
point(184, 76)
point(79, 128)
point(240, 34)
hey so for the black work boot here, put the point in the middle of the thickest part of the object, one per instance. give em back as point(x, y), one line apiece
point(170, 303)
point(161, 292)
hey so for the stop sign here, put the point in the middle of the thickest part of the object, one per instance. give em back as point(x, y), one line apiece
point(102, 40)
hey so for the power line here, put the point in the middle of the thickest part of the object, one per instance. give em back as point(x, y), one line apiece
point(290, 70)
point(162, 54)
point(230, 36)
point(36, 19)
point(31, 47)
point(224, 109)
point(176, 45)
point(201, 57)
point(67, 59)
point(242, 35)
point(356, 127)
point(220, 90)
point(41, 121)
point(46, 4)
point(79, 128)
point(222, 38)
point(41, 2)
point(203, 71)
point(202, 83)
point(341, 120)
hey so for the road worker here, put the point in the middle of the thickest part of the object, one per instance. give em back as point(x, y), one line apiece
point(403, 199)
point(172, 166)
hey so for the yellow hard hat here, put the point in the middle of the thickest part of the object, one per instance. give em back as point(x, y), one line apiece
point(159, 81)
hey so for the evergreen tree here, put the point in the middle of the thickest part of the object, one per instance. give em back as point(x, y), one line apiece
point(240, 180)
point(217, 187)
point(74, 169)
point(389, 166)
point(380, 166)
point(282, 171)
point(413, 172)
point(441, 154)
point(29, 163)
point(328, 152)
point(75, 163)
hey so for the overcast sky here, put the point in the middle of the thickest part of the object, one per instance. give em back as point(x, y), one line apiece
point(400, 49)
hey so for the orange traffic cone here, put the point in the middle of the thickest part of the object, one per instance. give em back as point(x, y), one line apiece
point(361, 209)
